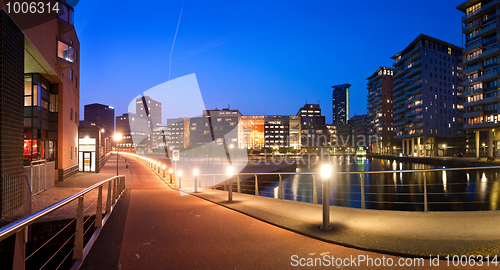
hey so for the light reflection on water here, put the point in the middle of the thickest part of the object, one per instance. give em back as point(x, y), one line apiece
point(447, 190)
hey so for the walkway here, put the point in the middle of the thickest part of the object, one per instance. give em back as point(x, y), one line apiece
point(153, 227)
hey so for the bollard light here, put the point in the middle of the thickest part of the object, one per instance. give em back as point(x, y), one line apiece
point(170, 170)
point(170, 173)
point(325, 173)
point(230, 172)
point(159, 167)
point(195, 172)
point(179, 173)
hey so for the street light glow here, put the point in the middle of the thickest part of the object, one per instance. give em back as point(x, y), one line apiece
point(325, 171)
point(195, 172)
point(117, 137)
point(179, 173)
point(163, 166)
point(230, 170)
point(170, 170)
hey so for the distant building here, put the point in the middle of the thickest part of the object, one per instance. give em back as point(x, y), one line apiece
point(380, 111)
point(340, 101)
point(93, 148)
point(143, 123)
point(102, 115)
point(215, 125)
point(252, 135)
point(282, 131)
point(312, 125)
point(173, 136)
point(427, 96)
point(480, 27)
point(123, 128)
point(359, 131)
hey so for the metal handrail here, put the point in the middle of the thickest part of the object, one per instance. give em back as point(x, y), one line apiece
point(18, 225)
point(368, 172)
point(19, 228)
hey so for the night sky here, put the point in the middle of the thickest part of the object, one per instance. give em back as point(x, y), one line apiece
point(261, 57)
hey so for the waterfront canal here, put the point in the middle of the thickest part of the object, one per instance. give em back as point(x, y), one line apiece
point(467, 190)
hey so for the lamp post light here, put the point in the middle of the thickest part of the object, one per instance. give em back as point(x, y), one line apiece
point(159, 167)
point(444, 149)
point(325, 173)
point(163, 167)
point(484, 149)
point(170, 172)
point(195, 172)
point(154, 165)
point(230, 173)
point(117, 138)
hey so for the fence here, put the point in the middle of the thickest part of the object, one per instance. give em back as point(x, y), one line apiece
point(16, 196)
point(78, 228)
point(383, 190)
point(41, 175)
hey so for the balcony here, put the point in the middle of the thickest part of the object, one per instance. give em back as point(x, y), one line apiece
point(488, 29)
point(400, 98)
point(475, 14)
point(474, 47)
point(482, 101)
point(65, 53)
point(412, 86)
point(474, 114)
point(65, 17)
point(415, 98)
point(481, 125)
point(481, 78)
point(472, 69)
point(400, 110)
point(413, 72)
point(473, 92)
point(468, 28)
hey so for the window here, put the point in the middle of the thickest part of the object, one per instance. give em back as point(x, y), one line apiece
point(70, 153)
point(65, 51)
point(76, 117)
point(71, 114)
point(71, 74)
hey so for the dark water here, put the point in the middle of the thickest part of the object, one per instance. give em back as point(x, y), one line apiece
point(469, 190)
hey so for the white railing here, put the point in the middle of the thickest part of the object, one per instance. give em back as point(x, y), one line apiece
point(41, 176)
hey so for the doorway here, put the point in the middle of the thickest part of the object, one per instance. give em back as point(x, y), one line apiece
point(87, 161)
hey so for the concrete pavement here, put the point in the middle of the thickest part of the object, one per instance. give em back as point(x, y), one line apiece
point(154, 227)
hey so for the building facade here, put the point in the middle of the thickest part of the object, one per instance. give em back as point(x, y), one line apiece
point(359, 131)
point(428, 97)
point(102, 115)
point(282, 131)
point(480, 58)
point(312, 126)
point(340, 101)
point(39, 90)
point(380, 111)
point(215, 125)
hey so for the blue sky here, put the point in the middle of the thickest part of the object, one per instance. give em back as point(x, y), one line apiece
point(261, 57)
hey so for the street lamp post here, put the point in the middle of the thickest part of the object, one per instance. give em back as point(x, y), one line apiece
point(117, 138)
point(170, 172)
point(444, 149)
point(179, 173)
point(484, 149)
point(325, 173)
point(164, 167)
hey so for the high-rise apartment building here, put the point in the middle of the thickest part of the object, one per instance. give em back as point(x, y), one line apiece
point(215, 125)
point(149, 109)
point(102, 116)
point(481, 28)
point(123, 128)
point(379, 105)
point(340, 104)
point(427, 96)
point(282, 131)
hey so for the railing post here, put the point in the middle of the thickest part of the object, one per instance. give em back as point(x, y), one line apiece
point(230, 189)
point(425, 194)
point(238, 188)
point(213, 180)
point(179, 182)
point(281, 187)
point(315, 190)
point(256, 186)
point(78, 246)
point(363, 204)
point(19, 259)
point(98, 211)
point(108, 201)
point(326, 204)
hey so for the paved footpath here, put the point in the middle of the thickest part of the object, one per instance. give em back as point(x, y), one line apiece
point(154, 227)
